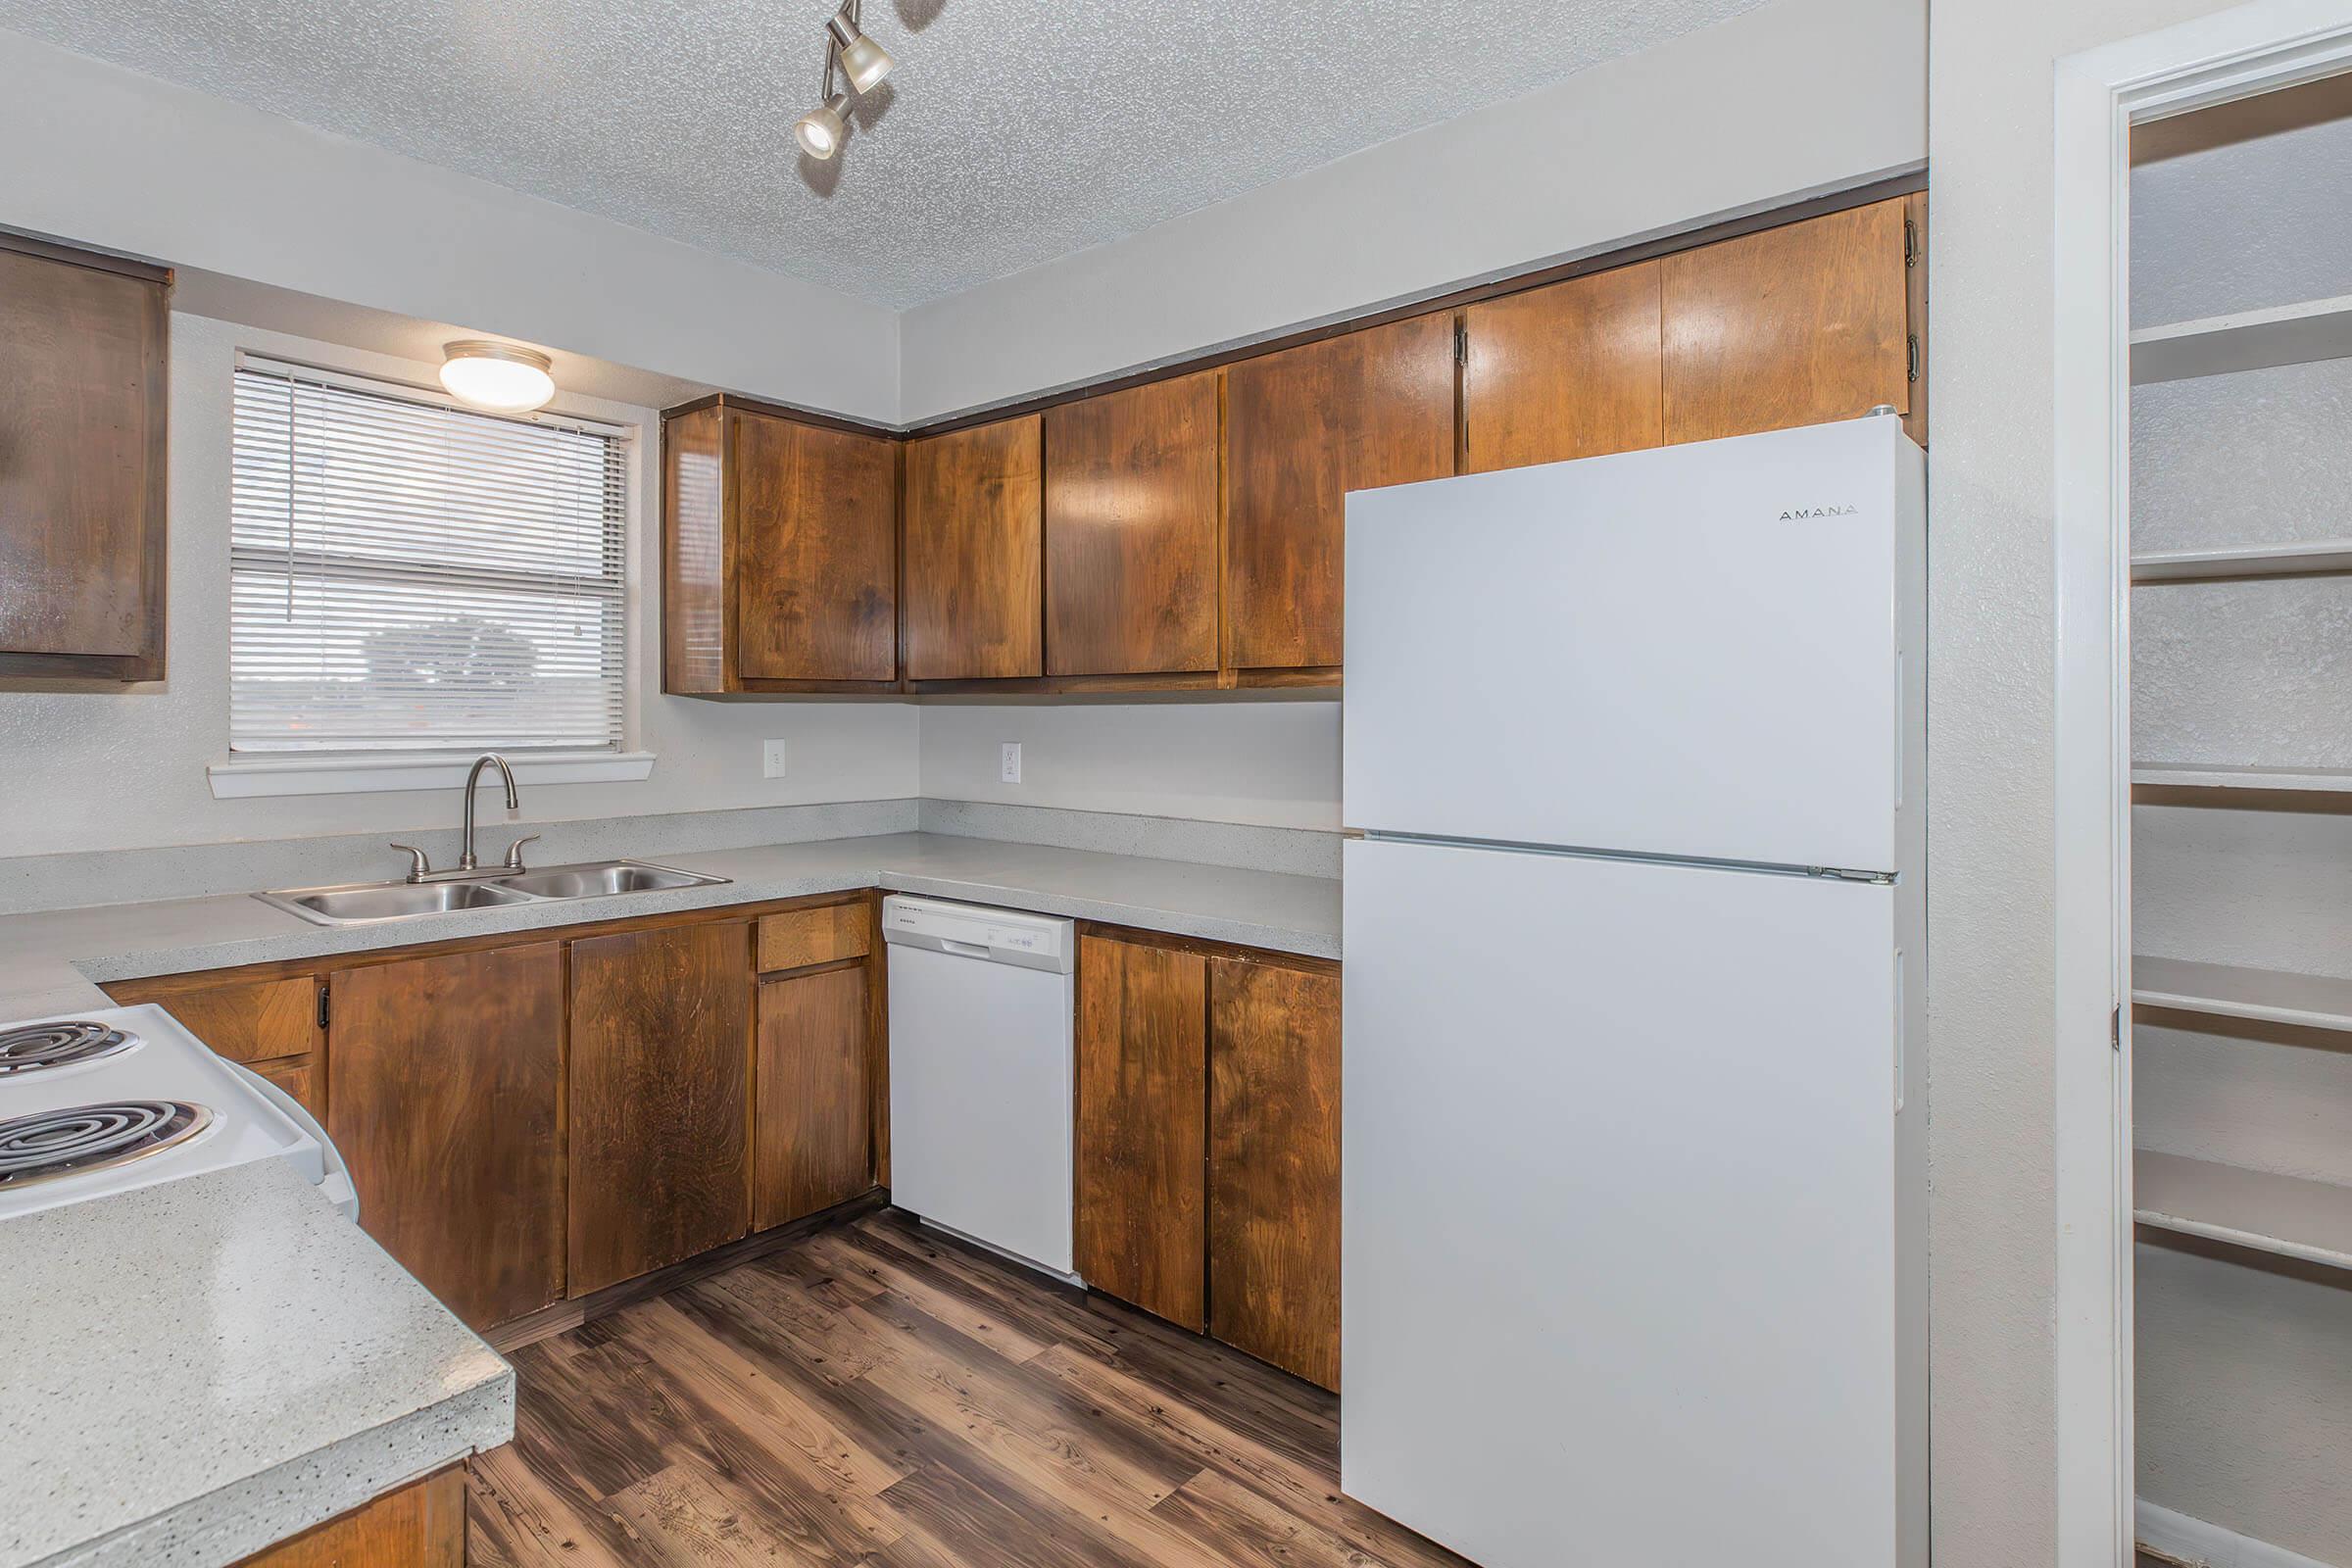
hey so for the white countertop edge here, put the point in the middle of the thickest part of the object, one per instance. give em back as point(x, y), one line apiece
point(235, 1521)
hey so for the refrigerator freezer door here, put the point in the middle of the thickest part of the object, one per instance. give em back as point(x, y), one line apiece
point(1693, 652)
point(1619, 1211)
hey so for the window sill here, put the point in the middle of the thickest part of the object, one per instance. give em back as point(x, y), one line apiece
point(368, 776)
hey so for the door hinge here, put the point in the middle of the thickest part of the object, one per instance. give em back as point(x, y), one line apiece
point(1911, 355)
point(1910, 243)
point(1461, 341)
point(1840, 873)
point(2115, 1029)
point(324, 994)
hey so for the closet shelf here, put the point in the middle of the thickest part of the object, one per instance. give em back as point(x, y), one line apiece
point(2246, 340)
point(2287, 1215)
point(2213, 776)
point(2228, 990)
point(2245, 560)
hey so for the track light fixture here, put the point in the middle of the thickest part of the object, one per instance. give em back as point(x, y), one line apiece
point(860, 62)
point(863, 61)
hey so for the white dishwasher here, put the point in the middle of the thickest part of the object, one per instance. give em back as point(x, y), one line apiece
point(980, 1073)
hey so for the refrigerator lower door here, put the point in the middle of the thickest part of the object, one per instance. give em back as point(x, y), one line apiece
point(1620, 1215)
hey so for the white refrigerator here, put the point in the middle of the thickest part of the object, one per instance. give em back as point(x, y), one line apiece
point(1633, 1217)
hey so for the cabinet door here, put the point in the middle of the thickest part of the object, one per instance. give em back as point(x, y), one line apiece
point(1572, 370)
point(1795, 325)
point(974, 521)
point(1302, 427)
point(1142, 1135)
point(423, 1525)
point(814, 1096)
point(1274, 1164)
point(660, 1057)
point(1131, 530)
point(81, 469)
point(817, 550)
point(445, 1083)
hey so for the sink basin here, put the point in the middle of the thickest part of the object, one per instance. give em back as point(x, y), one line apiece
point(390, 900)
point(361, 903)
point(598, 878)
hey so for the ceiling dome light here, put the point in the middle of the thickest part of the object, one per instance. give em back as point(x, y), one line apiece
point(496, 378)
point(863, 61)
point(820, 130)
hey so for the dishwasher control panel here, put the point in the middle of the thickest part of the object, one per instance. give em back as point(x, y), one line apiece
point(1001, 936)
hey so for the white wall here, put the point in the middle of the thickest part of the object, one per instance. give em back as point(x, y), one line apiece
point(1991, 853)
point(120, 768)
point(1795, 97)
point(124, 162)
point(1270, 763)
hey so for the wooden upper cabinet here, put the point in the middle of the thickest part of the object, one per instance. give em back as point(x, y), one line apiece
point(1793, 326)
point(1131, 530)
point(659, 1098)
point(974, 519)
point(1143, 1060)
point(780, 555)
point(445, 1098)
point(1274, 1164)
point(816, 594)
point(1303, 426)
point(1571, 370)
point(82, 345)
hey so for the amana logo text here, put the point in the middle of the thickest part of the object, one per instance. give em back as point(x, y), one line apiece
point(1803, 513)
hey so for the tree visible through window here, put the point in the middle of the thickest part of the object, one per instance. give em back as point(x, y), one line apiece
point(405, 575)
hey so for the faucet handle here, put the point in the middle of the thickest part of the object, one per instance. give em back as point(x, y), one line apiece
point(419, 866)
point(515, 851)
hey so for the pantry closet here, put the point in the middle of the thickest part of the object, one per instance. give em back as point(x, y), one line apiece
point(2240, 1015)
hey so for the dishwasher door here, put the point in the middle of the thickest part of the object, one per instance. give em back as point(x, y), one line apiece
point(980, 1073)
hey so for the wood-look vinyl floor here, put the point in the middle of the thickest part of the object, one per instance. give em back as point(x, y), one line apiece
point(874, 1393)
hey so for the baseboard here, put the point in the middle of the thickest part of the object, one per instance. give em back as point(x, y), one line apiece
point(2193, 1544)
point(563, 1316)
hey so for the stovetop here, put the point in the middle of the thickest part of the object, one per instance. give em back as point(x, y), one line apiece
point(119, 1097)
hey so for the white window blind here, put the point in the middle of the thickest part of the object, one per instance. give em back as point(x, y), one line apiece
point(406, 576)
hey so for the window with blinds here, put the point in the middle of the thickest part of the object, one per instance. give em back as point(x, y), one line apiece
point(406, 576)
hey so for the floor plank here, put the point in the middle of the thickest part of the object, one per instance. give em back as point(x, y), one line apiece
point(876, 1393)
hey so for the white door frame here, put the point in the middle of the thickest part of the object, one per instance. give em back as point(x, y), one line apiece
point(2100, 94)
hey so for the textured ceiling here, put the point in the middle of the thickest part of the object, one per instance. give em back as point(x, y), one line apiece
point(1013, 132)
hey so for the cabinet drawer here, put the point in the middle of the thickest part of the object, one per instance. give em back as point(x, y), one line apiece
point(799, 938)
point(255, 1020)
point(297, 1076)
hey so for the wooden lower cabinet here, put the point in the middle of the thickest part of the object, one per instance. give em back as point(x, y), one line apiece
point(1274, 1164)
point(1209, 1143)
point(660, 1092)
point(423, 1525)
point(814, 1078)
point(445, 1098)
point(1143, 1063)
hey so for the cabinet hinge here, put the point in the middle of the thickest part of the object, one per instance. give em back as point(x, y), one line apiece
point(324, 994)
point(1910, 243)
point(1911, 355)
point(1461, 341)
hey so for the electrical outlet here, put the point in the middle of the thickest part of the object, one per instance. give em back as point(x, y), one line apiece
point(1011, 762)
point(771, 759)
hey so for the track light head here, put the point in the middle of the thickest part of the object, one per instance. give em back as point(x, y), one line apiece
point(822, 130)
point(863, 61)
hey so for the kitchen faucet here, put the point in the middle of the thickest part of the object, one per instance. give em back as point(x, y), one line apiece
point(420, 868)
point(465, 860)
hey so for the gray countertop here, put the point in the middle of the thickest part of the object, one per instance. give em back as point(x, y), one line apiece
point(202, 1367)
point(206, 1366)
point(49, 960)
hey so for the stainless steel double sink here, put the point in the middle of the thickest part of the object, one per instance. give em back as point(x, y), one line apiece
point(366, 902)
